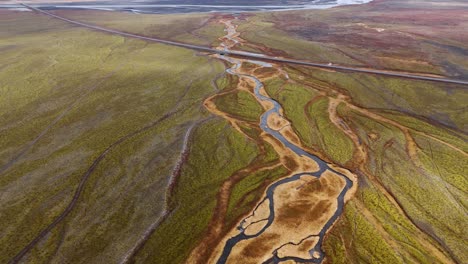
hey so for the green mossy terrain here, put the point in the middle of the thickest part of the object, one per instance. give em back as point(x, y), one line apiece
point(332, 140)
point(417, 99)
point(431, 201)
point(199, 29)
point(75, 101)
point(308, 113)
point(135, 102)
point(100, 92)
point(217, 153)
point(250, 190)
point(240, 104)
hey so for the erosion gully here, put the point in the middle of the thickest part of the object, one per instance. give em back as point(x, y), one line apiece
point(316, 254)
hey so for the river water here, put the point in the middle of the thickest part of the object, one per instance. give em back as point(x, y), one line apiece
point(195, 6)
point(323, 167)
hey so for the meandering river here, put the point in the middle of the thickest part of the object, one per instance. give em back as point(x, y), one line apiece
point(316, 253)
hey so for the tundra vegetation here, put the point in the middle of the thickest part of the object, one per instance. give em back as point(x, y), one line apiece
point(74, 98)
point(69, 96)
point(402, 35)
point(161, 137)
point(199, 29)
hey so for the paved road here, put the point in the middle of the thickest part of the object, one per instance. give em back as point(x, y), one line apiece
point(254, 55)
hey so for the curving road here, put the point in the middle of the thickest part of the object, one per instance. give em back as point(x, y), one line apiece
point(255, 55)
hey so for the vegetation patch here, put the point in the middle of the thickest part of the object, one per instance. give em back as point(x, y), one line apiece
point(216, 153)
point(240, 104)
